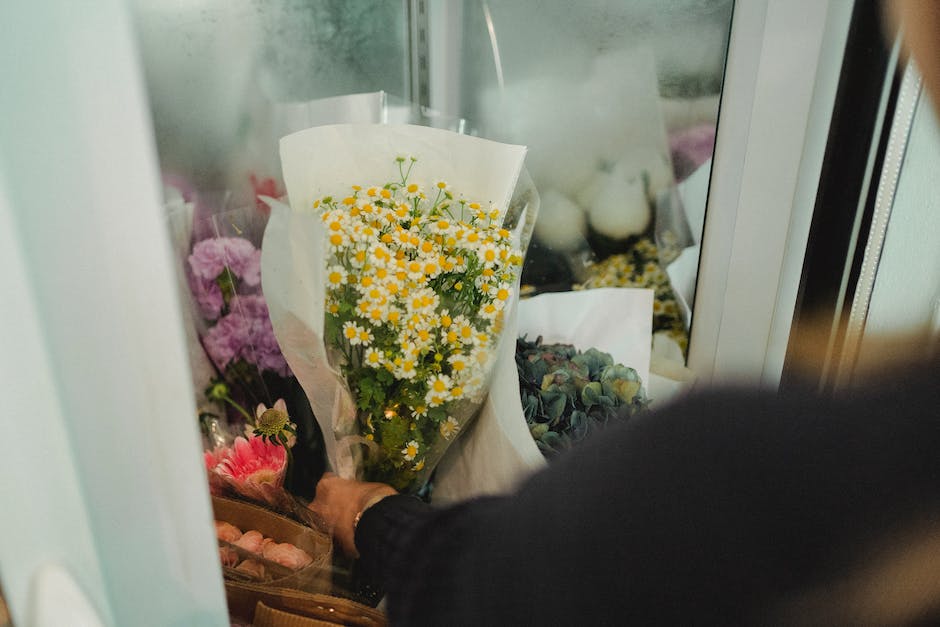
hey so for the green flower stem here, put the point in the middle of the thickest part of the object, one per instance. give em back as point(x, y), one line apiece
point(241, 410)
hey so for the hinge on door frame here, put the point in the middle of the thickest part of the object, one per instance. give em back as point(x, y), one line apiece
point(418, 59)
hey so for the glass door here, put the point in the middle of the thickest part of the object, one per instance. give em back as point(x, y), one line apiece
point(676, 146)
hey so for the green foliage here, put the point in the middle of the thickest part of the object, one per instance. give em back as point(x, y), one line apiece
point(567, 394)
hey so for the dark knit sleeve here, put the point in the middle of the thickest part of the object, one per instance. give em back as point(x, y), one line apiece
point(418, 555)
point(382, 530)
point(709, 512)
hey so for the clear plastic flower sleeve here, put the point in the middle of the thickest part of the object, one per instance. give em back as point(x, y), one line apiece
point(390, 279)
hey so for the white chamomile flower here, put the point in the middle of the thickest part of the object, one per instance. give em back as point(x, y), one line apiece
point(480, 357)
point(386, 197)
point(380, 256)
point(336, 276)
point(449, 427)
point(337, 240)
point(357, 257)
point(490, 310)
point(488, 254)
point(473, 389)
point(415, 270)
point(365, 336)
point(410, 451)
point(441, 226)
point(464, 330)
point(438, 390)
point(423, 337)
point(413, 191)
point(373, 358)
point(458, 363)
point(351, 332)
point(406, 370)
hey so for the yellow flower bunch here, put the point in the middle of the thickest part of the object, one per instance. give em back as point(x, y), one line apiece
point(417, 282)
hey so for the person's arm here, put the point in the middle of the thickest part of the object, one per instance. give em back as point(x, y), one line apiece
point(342, 502)
point(714, 510)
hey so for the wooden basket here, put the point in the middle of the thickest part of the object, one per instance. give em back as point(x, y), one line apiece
point(314, 578)
point(257, 603)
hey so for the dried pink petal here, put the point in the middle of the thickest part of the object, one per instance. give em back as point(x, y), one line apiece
point(252, 567)
point(227, 532)
point(250, 541)
point(286, 554)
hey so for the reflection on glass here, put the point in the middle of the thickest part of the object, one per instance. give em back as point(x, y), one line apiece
point(616, 100)
point(618, 104)
point(222, 75)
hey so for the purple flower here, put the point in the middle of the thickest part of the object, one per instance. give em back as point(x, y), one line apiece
point(208, 296)
point(246, 333)
point(226, 341)
point(267, 352)
point(244, 260)
point(211, 256)
point(251, 306)
point(208, 258)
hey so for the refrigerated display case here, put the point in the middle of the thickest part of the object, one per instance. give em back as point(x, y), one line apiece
point(109, 111)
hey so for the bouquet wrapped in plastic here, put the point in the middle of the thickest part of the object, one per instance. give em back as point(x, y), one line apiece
point(390, 279)
point(252, 411)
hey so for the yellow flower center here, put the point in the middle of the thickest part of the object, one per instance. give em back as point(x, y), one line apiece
point(271, 422)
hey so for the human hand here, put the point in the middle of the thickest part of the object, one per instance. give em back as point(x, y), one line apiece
point(338, 501)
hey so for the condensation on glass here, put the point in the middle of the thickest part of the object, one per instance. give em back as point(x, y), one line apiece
point(616, 100)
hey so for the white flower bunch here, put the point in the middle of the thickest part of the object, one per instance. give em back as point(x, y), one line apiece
point(417, 284)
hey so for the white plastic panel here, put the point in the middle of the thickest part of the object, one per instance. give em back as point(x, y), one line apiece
point(44, 515)
point(777, 98)
point(77, 157)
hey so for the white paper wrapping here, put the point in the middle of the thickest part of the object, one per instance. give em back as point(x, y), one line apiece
point(359, 108)
point(328, 160)
point(497, 451)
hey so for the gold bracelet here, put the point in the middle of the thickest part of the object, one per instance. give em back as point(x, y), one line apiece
point(375, 499)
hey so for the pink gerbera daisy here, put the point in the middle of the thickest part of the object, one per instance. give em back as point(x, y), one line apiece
point(254, 468)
